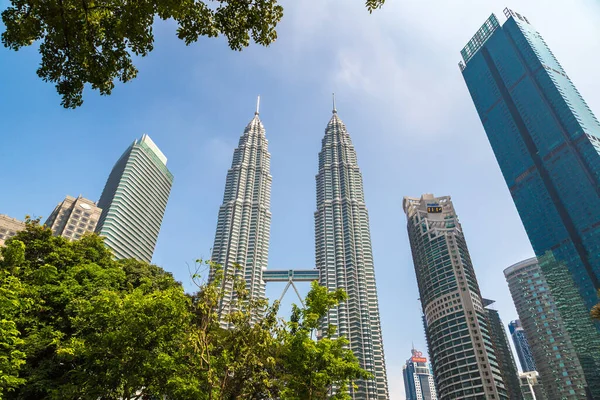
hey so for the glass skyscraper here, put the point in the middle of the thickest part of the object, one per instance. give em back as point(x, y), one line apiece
point(418, 380)
point(244, 222)
point(547, 143)
point(521, 346)
point(457, 326)
point(134, 200)
point(344, 256)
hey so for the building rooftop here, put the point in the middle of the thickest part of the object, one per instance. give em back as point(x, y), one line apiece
point(146, 139)
point(520, 265)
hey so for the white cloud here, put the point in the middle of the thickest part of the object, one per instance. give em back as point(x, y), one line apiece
point(402, 59)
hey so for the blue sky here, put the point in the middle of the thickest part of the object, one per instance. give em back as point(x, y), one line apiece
point(398, 89)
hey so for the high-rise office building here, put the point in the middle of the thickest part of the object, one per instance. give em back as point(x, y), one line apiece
point(550, 343)
point(344, 256)
point(506, 361)
point(522, 346)
point(531, 387)
point(418, 381)
point(73, 217)
point(244, 222)
point(9, 227)
point(547, 143)
point(460, 344)
point(134, 200)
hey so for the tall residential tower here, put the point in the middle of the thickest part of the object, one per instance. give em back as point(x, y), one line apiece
point(244, 222)
point(547, 143)
point(551, 345)
point(506, 361)
point(344, 256)
point(457, 328)
point(134, 200)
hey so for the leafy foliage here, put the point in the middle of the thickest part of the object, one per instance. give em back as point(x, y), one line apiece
point(316, 370)
point(11, 358)
point(92, 41)
point(77, 324)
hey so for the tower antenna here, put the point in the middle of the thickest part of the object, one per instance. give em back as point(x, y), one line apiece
point(334, 109)
point(257, 105)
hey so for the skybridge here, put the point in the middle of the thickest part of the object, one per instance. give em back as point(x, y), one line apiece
point(290, 276)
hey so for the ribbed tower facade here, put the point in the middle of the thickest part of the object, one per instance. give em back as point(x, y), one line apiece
point(344, 256)
point(134, 200)
point(244, 222)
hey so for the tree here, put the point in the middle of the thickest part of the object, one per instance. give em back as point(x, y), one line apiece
point(94, 326)
point(77, 324)
point(11, 357)
point(317, 370)
point(236, 363)
point(126, 345)
point(92, 41)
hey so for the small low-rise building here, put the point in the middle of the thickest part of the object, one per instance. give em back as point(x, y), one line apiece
point(9, 227)
point(73, 217)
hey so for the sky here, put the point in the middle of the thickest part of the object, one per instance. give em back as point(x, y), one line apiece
point(398, 90)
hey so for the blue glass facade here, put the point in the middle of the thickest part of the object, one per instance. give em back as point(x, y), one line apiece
point(409, 383)
point(547, 143)
point(522, 346)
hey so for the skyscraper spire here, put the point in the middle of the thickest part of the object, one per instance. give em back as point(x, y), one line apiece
point(244, 222)
point(334, 109)
point(345, 259)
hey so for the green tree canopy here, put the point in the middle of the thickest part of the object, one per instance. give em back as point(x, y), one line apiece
point(77, 324)
point(92, 41)
point(11, 357)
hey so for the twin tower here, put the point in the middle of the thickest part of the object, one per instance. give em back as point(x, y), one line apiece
point(344, 258)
